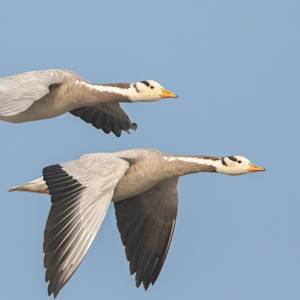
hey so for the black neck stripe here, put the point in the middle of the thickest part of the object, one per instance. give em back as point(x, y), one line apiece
point(224, 162)
point(137, 90)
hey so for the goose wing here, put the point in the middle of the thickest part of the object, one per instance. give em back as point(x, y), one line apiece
point(146, 223)
point(19, 92)
point(81, 192)
point(110, 117)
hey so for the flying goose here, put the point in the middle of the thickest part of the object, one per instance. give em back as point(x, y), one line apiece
point(142, 183)
point(46, 94)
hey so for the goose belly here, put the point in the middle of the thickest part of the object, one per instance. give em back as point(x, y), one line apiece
point(42, 109)
point(137, 181)
point(52, 105)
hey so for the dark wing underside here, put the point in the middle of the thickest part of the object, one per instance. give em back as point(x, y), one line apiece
point(146, 223)
point(108, 117)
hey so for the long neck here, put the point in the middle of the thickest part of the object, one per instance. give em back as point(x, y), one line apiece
point(183, 165)
point(120, 92)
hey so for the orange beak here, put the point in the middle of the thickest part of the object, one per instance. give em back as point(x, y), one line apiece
point(253, 168)
point(167, 94)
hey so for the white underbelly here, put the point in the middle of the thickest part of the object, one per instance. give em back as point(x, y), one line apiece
point(45, 108)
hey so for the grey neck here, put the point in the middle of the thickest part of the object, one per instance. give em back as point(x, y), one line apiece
point(119, 85)
point(106, 93)
point(181, 165)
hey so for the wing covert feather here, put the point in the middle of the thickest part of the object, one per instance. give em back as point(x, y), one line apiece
point(81, 192)
point(19, 92)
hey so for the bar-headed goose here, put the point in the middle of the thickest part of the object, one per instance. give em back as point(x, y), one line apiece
point(142, 183)
point(46, 94)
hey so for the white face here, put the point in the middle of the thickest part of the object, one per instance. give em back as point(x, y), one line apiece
point(149, 90)
point(237, 165)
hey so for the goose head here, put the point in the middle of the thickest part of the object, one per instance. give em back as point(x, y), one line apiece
point(237, 165)
point(148, 91)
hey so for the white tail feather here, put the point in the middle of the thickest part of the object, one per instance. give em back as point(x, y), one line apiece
point(34, 186)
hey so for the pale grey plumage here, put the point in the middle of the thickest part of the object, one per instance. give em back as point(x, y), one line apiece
point(46, 94)
point(143, 185)
point(19, 92)
point(81, 192)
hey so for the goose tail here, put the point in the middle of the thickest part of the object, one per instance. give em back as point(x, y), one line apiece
point(34, 186)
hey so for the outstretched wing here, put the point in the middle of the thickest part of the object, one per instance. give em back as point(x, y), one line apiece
point(81, 192)
point(146, 223)
point(19, 92)
point(108, 117)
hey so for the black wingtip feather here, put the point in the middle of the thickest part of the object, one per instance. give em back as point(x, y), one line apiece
point(54, 176)
point(133, 126)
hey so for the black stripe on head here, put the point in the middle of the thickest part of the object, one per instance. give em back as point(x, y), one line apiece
point(233, 158)
point(224, 162)
point(145, 82)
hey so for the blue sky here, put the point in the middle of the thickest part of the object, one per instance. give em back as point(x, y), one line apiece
point(235, 65)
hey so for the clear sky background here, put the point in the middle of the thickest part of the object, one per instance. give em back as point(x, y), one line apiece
point(235, 65)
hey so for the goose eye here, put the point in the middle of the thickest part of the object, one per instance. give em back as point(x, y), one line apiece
point(151, 87)
point(239, 161)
